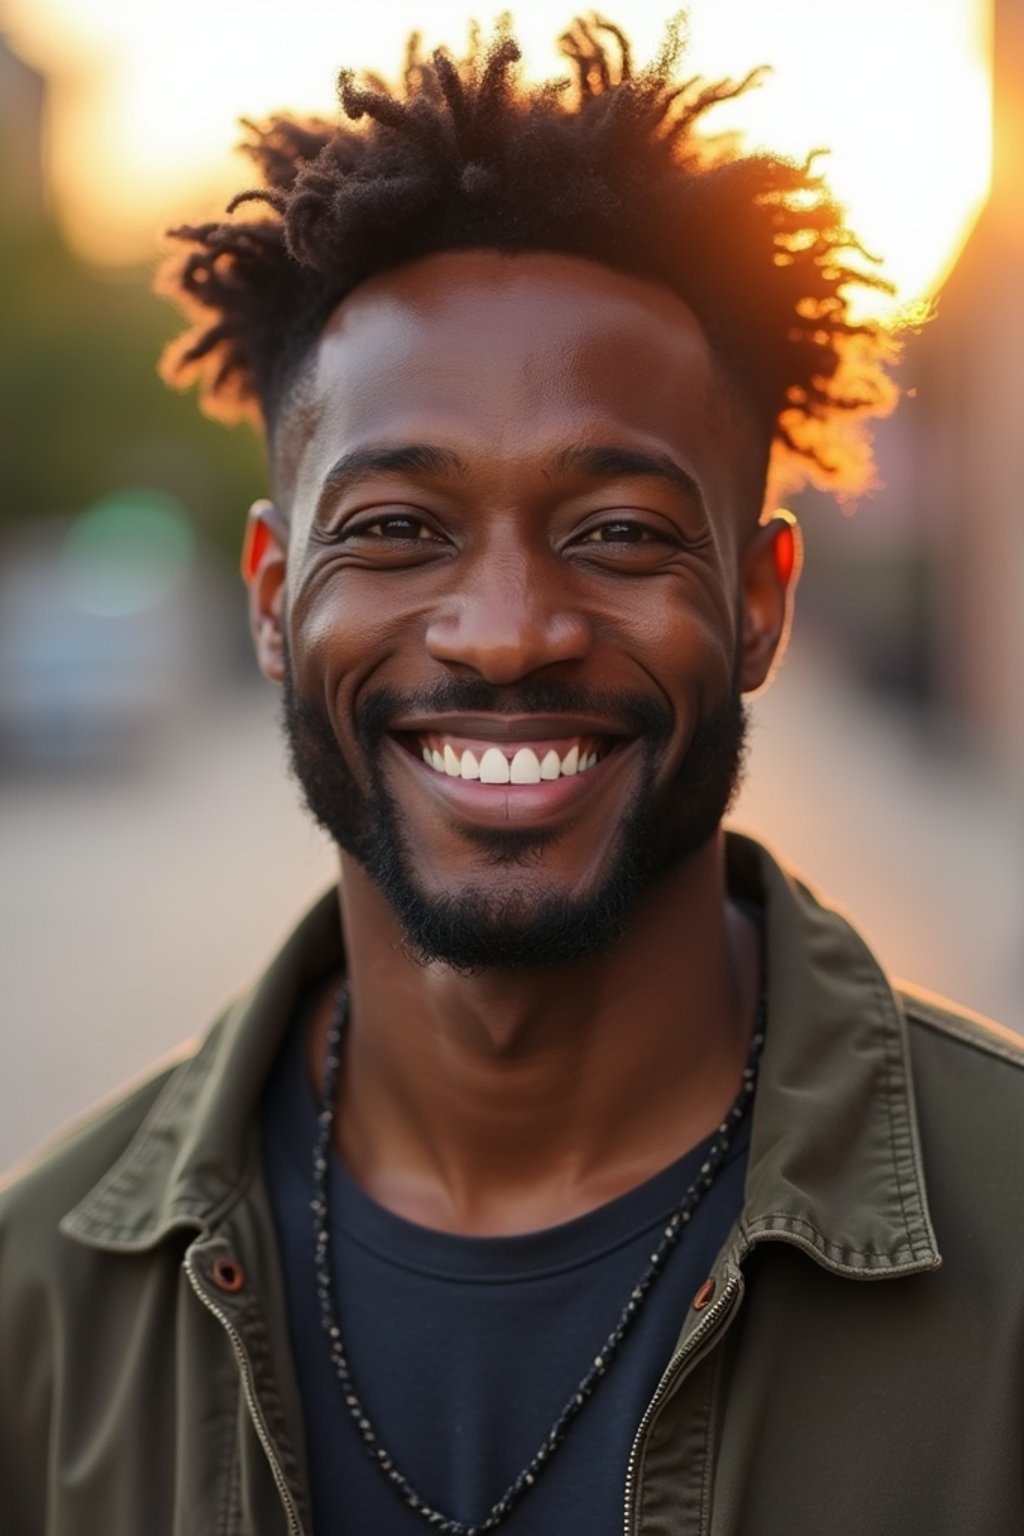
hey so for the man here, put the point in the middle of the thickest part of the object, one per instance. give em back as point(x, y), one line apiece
point(588, 1170)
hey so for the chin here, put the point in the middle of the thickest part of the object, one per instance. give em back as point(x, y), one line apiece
point(517, 917)
point(478, 930)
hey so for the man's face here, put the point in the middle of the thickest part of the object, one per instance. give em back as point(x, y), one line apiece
point(517, 496)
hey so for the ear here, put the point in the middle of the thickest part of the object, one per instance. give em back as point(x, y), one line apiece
point(769, 570)
point(264, 565)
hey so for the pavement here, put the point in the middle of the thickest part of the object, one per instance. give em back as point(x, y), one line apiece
point(134, 905)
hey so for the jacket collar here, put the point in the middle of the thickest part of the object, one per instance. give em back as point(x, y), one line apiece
point(835, 1165)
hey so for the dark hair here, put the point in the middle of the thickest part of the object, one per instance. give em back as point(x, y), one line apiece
point(609, 166)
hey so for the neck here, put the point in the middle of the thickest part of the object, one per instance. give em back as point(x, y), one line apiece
point(499, 1102)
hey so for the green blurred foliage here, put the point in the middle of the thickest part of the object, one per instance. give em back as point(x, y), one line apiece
point(82, 411)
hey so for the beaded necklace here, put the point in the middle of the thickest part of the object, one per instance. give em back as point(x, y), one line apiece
point(671, 1234)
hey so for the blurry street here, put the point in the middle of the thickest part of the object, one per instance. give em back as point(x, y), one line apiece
point(135, 904)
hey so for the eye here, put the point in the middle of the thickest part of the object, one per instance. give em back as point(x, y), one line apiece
point(397, 527)
point(628, 542)
point(621, 531)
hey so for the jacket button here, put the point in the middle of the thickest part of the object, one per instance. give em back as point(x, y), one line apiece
point(227, 1275)
point(704, 1295)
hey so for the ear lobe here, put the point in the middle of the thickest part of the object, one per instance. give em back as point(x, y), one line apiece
point(770, 570)
point(264, 567)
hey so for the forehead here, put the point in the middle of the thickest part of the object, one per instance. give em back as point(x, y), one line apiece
point(510, 358)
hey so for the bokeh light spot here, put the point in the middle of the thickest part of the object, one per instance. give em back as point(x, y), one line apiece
point(127, 552)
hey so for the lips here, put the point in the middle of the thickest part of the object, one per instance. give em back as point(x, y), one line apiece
point(530, 770)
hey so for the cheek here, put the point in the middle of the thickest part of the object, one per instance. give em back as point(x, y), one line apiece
point(322, 635)
point(319, 644)
point(683, 636)
point(343, 633)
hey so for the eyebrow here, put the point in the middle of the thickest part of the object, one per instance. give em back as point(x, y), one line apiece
point(610, 461)
point(397, 459)
point(601, 461)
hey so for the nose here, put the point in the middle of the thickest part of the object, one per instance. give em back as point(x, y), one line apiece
point(508, 618)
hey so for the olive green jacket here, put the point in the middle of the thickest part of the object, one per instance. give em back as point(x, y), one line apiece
point(837, 1377)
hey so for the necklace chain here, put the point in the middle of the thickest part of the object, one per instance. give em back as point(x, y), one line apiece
point(670, 1236)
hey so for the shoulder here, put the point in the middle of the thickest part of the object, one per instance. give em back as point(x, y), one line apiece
point(968, 1072)
point(939, 1025)
point(955, 1050)
point(38, 1263)
point(968, 1080)
point(40, 1190)
point(968, 1075)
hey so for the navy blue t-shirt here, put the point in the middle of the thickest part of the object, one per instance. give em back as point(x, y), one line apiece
point(464, 1350)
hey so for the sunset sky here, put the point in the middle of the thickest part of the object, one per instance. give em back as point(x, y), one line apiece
point(146, 97)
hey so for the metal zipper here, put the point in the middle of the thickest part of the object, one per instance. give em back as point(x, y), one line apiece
point(255, 1413)
point(669, 1378)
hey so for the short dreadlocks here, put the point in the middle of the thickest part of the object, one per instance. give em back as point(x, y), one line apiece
point(609, 165)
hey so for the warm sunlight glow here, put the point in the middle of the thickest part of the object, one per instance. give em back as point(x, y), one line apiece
point(146, 97)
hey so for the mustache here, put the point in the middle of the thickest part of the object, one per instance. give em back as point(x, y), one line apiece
point(642, 714)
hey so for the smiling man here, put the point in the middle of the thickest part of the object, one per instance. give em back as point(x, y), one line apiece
point(572, 1165)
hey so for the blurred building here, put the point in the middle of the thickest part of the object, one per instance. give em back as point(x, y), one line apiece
point(22, 119)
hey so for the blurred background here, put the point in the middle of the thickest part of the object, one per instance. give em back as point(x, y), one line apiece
point(151, 849)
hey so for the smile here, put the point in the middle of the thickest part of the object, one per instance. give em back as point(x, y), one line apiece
point(530, 769)
point(529, 773)
point(511, 762)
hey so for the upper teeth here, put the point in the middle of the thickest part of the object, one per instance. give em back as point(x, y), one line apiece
point(493, 767)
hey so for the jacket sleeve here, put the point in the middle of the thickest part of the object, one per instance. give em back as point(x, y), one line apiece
point(28, 1243)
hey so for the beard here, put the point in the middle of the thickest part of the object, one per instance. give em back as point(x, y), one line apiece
point(517, 927)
